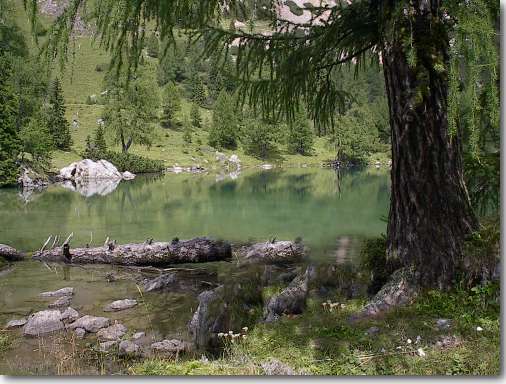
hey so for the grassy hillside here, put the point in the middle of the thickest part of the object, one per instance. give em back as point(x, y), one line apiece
point(81, 79)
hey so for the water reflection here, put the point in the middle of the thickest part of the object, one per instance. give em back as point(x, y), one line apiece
point(320, 206)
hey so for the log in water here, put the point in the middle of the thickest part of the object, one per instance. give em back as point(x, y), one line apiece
point(196, 250)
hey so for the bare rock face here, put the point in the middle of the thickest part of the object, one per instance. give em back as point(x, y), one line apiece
point(61, 302)
point(15, 323)
point(111, 333)
point(31, 180)
point(90, 323)
point(292, 300)
point(43, 322)
point(9, 253)
point(67, 291)
point(171, 347)
point(277, 252)
point(69, 315)
point(128, 348)
point(120, 305)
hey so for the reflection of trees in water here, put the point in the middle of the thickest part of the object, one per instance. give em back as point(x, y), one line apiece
point(300, 185)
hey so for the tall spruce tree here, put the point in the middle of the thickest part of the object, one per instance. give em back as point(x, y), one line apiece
point(10, 144)
point(171, 104)
point(299, 135)
point(224, 127)
point(195, 116)
point(58, 125)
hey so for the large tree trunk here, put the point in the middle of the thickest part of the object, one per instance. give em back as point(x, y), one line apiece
point(430, 212)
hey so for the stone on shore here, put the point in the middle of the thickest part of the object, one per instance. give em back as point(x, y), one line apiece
point(120, 305)
point(90, 323)
point(43, 322)
point(107, 345)
point(67, 291)
point(171, 347)
point(80, 332)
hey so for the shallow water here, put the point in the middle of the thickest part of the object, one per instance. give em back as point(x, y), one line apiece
point(330, 212)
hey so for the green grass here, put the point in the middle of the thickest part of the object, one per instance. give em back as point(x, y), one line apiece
point(324, 343)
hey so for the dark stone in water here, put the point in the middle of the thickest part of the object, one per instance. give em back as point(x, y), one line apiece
point(292, 300)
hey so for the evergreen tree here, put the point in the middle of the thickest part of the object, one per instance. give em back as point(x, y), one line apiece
point(37, 140)
point(171, 104)
point(99, 140)
point(260, 138)
point(224, 127)
point(196, 119)
point(10, 144)
point(57, 123)
point(187, 130)
point(299, 134)
point(198, 94)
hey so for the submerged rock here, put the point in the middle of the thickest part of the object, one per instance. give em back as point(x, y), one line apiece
point(127, 347)
point(208, 318)
point(90, 323)
point(70, 314)
point(120, 305)
point(171, 347)
point(9, 253)
point(67, 291)
point(43, 322)
point(80, 332)
point(276, 252)
point(292, 300)
point(107, 345)
point(113, 332)
point(15, 323)
point(63, 301)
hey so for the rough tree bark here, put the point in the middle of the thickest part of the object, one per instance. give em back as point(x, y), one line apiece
point(430, 212)
point(196, 250)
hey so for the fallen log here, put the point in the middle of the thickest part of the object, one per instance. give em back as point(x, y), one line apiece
point(9, 253)
point(196, 250)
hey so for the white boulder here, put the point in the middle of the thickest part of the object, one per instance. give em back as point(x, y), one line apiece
point(93, 170)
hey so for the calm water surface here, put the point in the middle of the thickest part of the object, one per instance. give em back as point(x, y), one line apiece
point(318, 205)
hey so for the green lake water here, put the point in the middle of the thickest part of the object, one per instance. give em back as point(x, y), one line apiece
point(326, 210)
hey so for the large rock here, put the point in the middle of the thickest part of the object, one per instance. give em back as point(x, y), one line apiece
point(9, 253)
point(292, 300)
point(43, 322)
point(69, 315)
point(67, 291)
point(171, 347)
point(90, 323)
point(120, 305)
point(107, 345)
point(90, 170)
point(275, 252)
point(113, 332)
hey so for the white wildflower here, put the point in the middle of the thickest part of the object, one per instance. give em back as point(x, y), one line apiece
point(421, 352)
point(409, 341)
point(479, 329)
